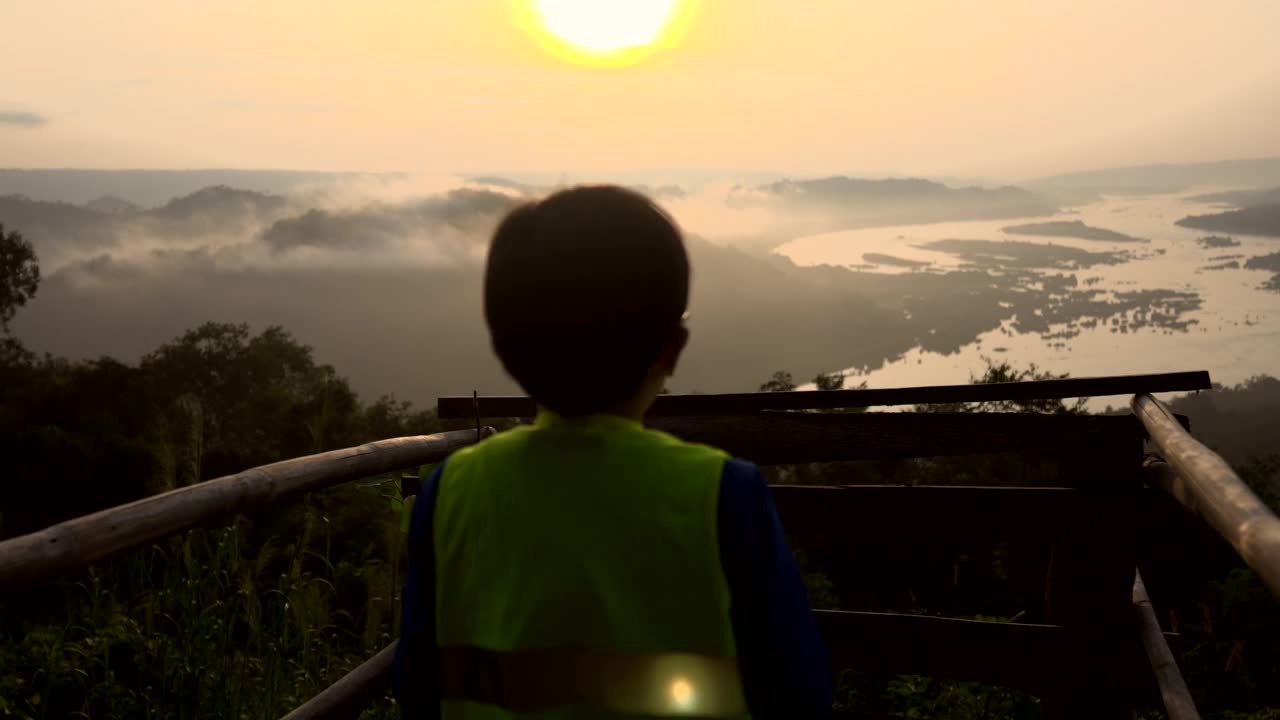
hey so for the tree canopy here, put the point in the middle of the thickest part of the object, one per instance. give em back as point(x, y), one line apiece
point(19, 274)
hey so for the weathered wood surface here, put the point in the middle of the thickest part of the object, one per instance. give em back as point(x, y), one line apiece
point(1040, 659)
point(1088, 588)
point(1173, 689)
point(1206, 485)
point(516, 406)
point(885, 514)
point(350, 695)
point(934, 513)
point(107, 533)
point(773, 438)
point(781, 437)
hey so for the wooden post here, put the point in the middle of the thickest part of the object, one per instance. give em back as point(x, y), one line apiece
point(1089, 588)
point(1173, 689)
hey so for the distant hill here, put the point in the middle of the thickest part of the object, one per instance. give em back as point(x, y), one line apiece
point(1239, 198)
point(910, 195)
point(1240, 423)
point(112, 205)
point(60, 231)
point(807, 207)
point(1071, 229)
point(150, 188)
point(1165, 178)
point(1256, 220)
point(217, 202)
point(48, 225)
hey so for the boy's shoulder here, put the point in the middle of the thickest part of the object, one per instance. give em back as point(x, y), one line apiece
point(507, 439)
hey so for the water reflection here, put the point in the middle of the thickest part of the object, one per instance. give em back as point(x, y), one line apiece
point(1078, 305)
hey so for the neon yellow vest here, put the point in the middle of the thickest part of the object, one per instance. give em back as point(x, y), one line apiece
point(578, 575)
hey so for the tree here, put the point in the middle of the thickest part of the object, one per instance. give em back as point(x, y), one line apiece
point(780, 382)
point(19, 275)
point(226, 400)
point(829, 381)
point(1004, 372)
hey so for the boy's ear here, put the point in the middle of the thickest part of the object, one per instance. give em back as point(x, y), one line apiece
point(670, 355)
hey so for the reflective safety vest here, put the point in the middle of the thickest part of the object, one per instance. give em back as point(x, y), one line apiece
point(578, 575)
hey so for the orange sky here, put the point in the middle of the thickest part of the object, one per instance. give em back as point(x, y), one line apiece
point(988, 87)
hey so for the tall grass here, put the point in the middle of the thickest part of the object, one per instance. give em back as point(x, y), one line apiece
point(244, 621)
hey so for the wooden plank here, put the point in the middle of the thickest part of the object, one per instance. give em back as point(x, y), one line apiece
point(930, 513)
point(1039, 659)
point(774, 438)
point(1089, 586)
point(875, 514)
point(1206, 485)
point(516, 406)
point(354, 692)
point(90, 538)
point(785, 437)
point(1173, 689)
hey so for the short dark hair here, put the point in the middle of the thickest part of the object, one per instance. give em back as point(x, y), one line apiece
point(582, 290)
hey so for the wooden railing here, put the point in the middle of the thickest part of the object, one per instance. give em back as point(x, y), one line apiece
point(1092, 591)
point(1206, 485)
point(91, 538)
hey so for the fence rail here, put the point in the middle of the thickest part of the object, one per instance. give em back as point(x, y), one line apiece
point(1206, 485)
point(110, 532)
point(515, 406)
point(351, 694)
point(1173, 689)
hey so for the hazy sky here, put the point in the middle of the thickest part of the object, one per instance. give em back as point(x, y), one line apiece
point(987, 87)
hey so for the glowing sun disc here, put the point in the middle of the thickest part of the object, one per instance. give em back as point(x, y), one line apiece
point(603, 27)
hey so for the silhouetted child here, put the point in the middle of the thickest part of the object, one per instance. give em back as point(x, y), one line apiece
point(585, 566)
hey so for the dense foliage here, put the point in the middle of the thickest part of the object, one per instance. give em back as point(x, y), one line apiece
point(19, 274)
point(246, 620)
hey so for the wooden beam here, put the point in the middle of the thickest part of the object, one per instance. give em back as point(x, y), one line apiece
point(1039, 659)
point(1206, 485)
point(785, 437)
point(887, 514)
point(351, 694)
point(90, 538)
point(516, 406)
point(1173, 689)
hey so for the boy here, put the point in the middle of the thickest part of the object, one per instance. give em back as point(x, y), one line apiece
point(585, 567)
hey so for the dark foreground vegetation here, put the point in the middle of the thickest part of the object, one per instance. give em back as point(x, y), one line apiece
point(250, 619)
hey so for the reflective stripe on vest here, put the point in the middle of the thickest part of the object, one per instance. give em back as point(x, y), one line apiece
point(528, 681)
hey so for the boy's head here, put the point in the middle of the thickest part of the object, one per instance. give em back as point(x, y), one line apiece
point(584, 295)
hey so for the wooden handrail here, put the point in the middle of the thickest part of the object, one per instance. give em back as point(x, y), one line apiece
point(1173, 689)
point(1206, 485)
point(108, 533)
point(351, 694)
point(516, 406)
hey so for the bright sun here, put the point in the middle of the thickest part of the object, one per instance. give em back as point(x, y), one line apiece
point(605, 31)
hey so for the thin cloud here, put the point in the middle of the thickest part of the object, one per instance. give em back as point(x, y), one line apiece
point(18, 118)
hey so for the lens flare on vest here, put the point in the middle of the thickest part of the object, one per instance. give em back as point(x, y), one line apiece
point(682, 694)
